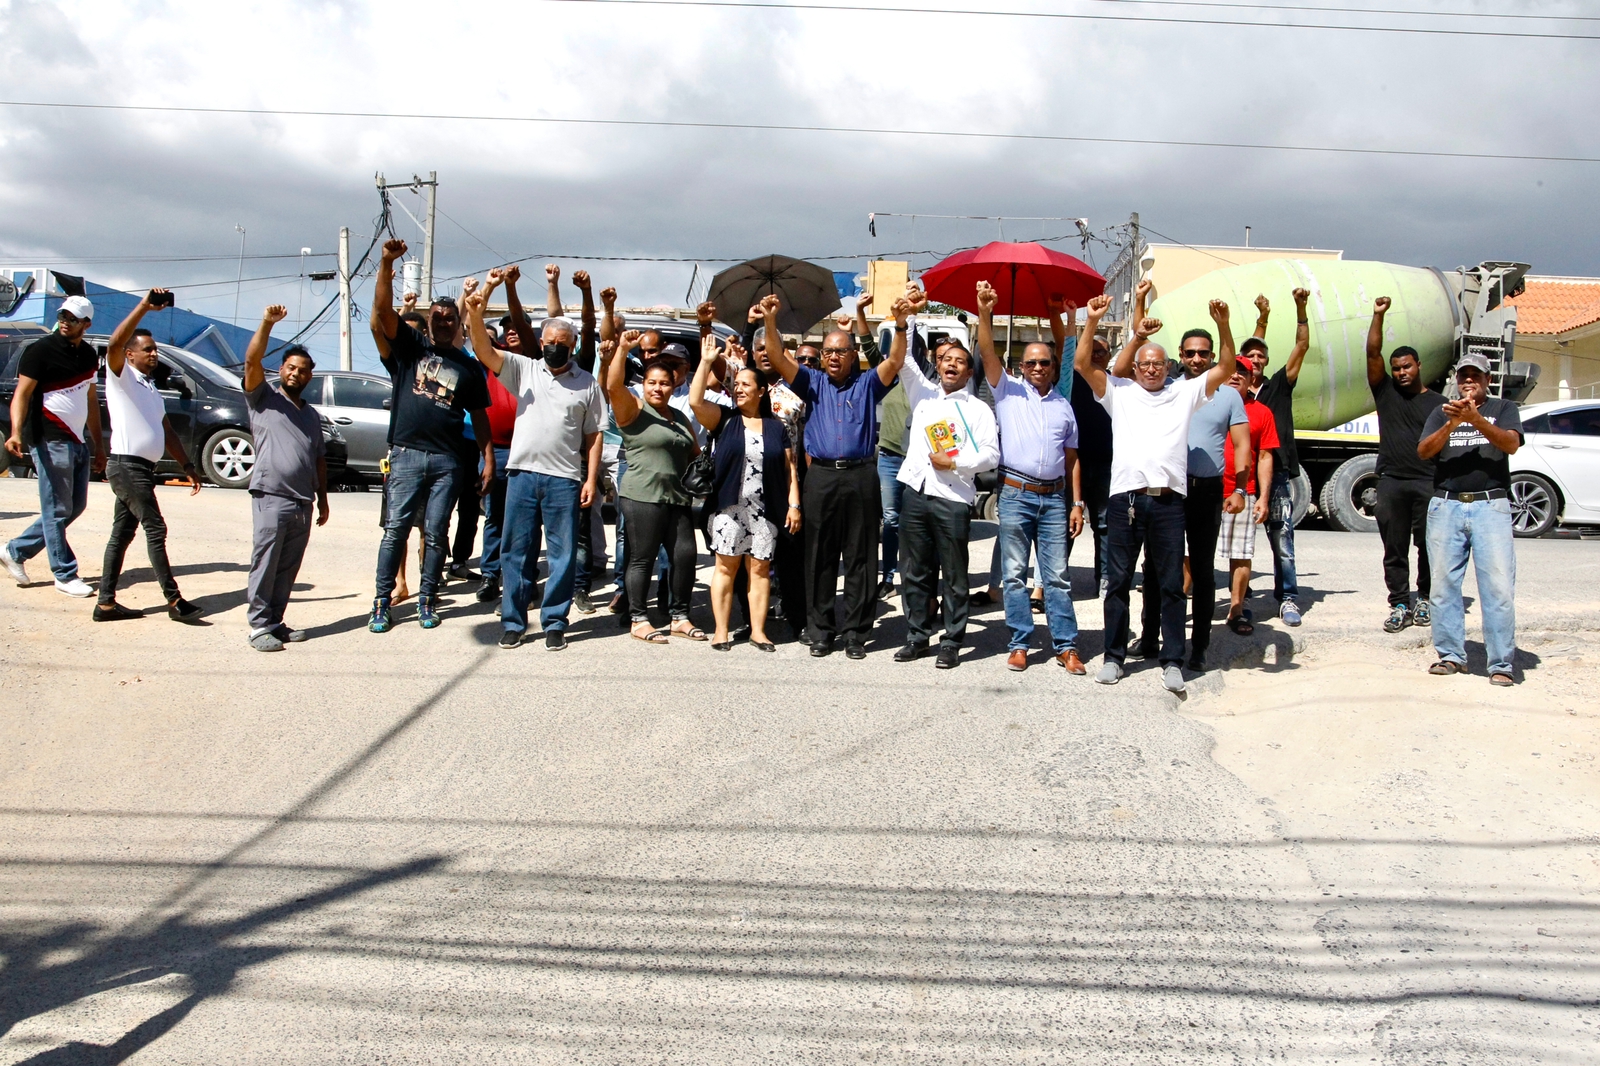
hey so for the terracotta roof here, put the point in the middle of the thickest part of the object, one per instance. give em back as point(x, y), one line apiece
point(1552, 306)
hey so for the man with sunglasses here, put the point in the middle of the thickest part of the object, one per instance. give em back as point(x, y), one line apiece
point(55, 405)
point(841, 499)
point(1038, 464)
point(1149, 476)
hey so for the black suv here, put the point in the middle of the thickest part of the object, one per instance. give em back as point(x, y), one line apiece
point(205, 405)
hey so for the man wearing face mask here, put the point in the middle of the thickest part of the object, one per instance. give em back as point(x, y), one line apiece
point(437, 388)
point(953, 438)
point(554, 467)
point(55, 404)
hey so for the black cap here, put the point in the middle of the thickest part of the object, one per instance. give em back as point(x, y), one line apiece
point(673, 350)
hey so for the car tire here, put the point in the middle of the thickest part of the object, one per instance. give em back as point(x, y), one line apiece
point(1350, 497)
point(1535, 505)
point(228, 458)
point(989, 507)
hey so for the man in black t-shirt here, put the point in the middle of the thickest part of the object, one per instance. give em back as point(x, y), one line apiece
point(437, 387)
point(55, 417)
point(1470, 517)
point(1405, 480)
point(1277, 393)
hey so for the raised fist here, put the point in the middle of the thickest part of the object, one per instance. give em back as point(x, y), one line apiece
point(863, 302)
point(607, 349)
point(274, 314)
point(987, 298)
point(771, 305)
point(476, 301)
point(1219, 311)
point(917, 299)
point(552, 272)
point(706, 313)
point(1056, 304)
point(1263, 305)
point(1380, 305)
point(630, 340)
point(496, 276)
point(1141, 290)
point(1148, 327)
point(469, 285)
point(901, 308)
point(608, 296)
point(512, 274)
point(1302, 295)
point(408, 302)
point(393, 249)
point(754, 314)
point(1098, 306)
point(580, 280)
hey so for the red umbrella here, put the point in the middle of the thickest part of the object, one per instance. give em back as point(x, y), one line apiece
point(1024, 275)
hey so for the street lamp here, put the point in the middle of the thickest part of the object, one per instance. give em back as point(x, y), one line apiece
point(239, 283)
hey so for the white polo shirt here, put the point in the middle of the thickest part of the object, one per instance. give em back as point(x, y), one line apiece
point(136, 409)
point(1150, 432)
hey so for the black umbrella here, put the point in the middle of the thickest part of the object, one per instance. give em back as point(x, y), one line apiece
point(807, 290)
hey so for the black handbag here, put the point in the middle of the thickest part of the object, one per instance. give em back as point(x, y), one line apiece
point(700, 474)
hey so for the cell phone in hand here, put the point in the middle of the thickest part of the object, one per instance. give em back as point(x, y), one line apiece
point(161, 299)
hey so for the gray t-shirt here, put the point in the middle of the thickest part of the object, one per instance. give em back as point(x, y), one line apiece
point(288, 444)
point(554, 413)
point(1208, 430)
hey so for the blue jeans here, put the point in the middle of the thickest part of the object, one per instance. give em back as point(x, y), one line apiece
point(1280, 532)
point(890, 488)
point(418, 482)
point(620, 549)
point(494, 515)
point(62, 467)
point(1027, 518)
point(1481, 529)
point(536, 502)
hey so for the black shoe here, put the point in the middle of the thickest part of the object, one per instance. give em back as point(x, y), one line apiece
point(555, 640)
point(949, 657)
point(913, 651)
point(722, 645)
point(618, 605)
point(181, 610)
point(885, 589)
point(802, 635)
point(489, 591)
point(822, 648)
point(1144, 649)
point(581, 602)
point(854, 649)
point(114, 612)
point(1195, 665)
point(981, 598)
point(511, 638)
point(461, 572)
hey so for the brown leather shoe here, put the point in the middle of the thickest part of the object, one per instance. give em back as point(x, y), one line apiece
point(1018, 660)
point(1070, 660)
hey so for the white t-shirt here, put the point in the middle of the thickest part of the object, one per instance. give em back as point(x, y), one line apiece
point(137, 410)
point(555, 412)
point(1150, 432)
point(969, 427)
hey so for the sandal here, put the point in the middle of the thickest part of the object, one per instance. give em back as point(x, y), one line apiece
point(1241, 625)
point(721, 645)
point(1502, 680)
point(692, 632)
point(1446, 667)
point(648, 635)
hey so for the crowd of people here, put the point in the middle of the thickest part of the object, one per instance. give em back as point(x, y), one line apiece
point(796, 466)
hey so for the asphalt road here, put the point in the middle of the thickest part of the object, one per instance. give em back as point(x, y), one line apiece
point(419, 847)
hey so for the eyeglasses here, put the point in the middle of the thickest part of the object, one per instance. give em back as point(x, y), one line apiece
point(1038, 362)
point(1147, 365)
point(837, 351)
point(1204, 353)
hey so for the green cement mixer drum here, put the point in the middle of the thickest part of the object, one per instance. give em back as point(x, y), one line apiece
point(1333, 387)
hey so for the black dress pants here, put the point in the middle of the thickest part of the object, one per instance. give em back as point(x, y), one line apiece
point(1202, 521)
point(1402, 513)
point(933, 537)
point(842, 511)
point(1135, 520)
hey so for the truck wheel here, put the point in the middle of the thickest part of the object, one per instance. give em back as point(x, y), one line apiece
point(1300, 494)
point(989, 507)
point(1535, 505)
point(1350, 496)
point(229, 457)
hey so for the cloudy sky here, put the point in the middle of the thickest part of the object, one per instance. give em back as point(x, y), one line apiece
point(107, 192)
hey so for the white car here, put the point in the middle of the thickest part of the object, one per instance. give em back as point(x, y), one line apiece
point(1555, 475)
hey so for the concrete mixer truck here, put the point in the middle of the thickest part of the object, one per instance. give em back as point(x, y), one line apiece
point(1441, 313)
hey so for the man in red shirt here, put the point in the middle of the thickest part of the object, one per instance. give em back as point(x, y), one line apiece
point(1237, 537)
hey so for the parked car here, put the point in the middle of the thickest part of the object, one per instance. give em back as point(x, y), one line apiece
point(205, 405)
point(1555, 475)
point(358, 407)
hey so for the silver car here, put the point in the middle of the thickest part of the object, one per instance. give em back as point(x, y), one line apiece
point(358, 405)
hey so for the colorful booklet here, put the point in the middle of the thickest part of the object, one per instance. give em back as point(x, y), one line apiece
point(944, 436)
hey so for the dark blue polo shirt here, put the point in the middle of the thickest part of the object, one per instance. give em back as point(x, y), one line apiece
point(843, 418)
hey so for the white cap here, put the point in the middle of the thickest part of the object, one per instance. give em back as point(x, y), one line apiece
point(78, 307)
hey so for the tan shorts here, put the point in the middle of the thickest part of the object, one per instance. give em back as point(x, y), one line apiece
point(1237, 537)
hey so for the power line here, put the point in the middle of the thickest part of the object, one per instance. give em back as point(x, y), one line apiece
point(163, 258)
point(1086, 17)
point(1051, 138)
point(1421, 13)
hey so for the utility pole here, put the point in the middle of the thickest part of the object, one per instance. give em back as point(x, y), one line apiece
point(427, 240)
point(240, 282)
point(344, 299)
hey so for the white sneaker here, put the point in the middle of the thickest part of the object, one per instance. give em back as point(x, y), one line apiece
point(19, 572)
point(75, 587)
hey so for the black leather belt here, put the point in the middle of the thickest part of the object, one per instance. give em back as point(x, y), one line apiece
point(840, 464)
point(137, 460)
point(1470, 497)
point(1043, 488)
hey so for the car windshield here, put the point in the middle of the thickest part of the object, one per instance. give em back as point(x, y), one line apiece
point(208, 370)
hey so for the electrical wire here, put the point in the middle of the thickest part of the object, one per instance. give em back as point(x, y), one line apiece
point(1087, 17)
point(1357, 10)
point(1049, 138)
point(165, 258)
